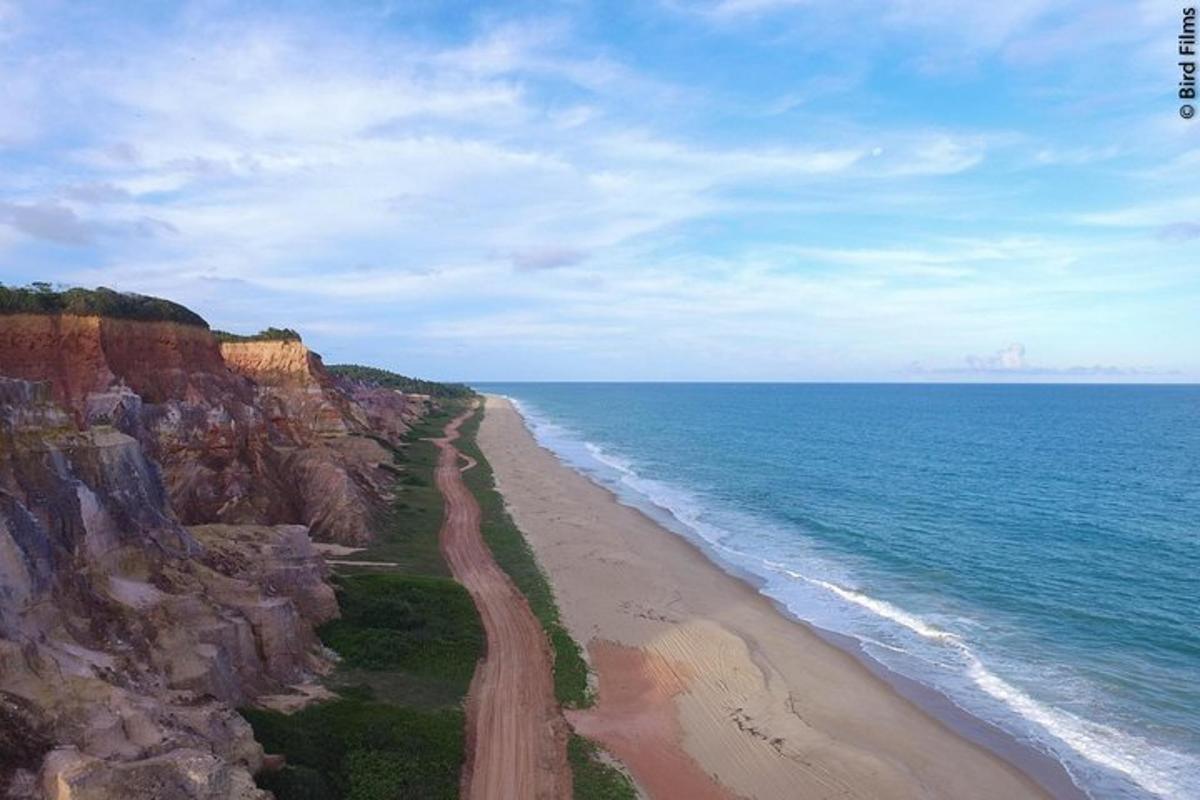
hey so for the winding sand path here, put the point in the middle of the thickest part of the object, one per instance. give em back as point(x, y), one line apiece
point(516, 735)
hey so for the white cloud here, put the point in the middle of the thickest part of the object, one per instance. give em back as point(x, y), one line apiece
point(1011, 357)
point(523, 184)
point(1011, 362)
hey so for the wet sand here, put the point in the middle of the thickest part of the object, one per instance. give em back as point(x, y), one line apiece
point(705, 688)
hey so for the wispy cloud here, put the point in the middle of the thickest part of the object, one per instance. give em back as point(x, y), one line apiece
point(47, 221)
point(1180, 231)
point(1010, 362)
point(546, 257)
point(768, 210)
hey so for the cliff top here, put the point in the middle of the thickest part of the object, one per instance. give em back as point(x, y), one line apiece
point(42, 298)
point(403, 383)
point(267, 335)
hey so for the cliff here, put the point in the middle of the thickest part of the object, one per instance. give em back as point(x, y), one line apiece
point(125, 638)
point(247, 432)
point(159, 361)
point(333, 464)
point(158, 490)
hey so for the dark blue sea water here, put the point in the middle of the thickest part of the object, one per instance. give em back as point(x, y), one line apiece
point(1033, 552)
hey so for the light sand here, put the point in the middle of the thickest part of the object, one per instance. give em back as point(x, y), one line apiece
point(692, 660)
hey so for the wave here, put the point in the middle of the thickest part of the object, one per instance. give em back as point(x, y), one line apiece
point(887, 611)
point(1098, 757)
point(1156, 769)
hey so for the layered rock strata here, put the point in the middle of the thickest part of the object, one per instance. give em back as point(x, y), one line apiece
point(157, 494)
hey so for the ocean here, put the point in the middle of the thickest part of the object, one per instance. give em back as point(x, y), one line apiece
point(1030, 552)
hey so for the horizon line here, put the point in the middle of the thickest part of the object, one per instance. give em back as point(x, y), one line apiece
point(695, 382)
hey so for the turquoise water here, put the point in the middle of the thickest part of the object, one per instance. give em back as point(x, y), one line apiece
point(1033, 552)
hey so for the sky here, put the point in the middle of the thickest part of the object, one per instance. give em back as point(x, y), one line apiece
point(657, 190)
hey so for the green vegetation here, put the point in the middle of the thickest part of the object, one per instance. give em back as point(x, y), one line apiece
point(515, 557)
point(594, 778)
point(42, 298)
point(354, 748)
point(265, 335)
point(381, 377)
point(408, 532)
point(409, 638)
point(415, 624)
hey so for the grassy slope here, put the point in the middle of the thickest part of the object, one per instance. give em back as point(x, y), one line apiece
point(409, 638)
point(392, 380)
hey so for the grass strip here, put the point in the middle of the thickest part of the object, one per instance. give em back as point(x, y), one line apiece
point(421, 625)
point(354, 748)
point(515, 557)
point(594, 777)
point(409, 638)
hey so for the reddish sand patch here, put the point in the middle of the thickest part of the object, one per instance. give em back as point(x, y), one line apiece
point(516, 735)
point(635, 719)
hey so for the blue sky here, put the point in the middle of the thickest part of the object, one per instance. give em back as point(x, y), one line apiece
point(664, 190)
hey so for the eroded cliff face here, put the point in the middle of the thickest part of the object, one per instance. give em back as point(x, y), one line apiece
point(79, 356)
point(254, 432)
point(334, 467)
point(157, 495)
point(126, 639)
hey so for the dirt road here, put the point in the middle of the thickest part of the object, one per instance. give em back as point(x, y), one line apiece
point(516, 735)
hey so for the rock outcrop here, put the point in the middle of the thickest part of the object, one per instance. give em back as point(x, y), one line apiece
point(244, 432)
point(333, 464)
point(157, 494)
point(125, 639)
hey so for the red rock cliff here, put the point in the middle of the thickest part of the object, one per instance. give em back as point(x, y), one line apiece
point(248, 432)
point(157, 495)
point(159, 361)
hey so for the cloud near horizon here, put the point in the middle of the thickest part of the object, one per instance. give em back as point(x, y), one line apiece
point(665, 191)
point(1010, 362)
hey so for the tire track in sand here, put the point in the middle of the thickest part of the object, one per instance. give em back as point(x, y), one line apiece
point(516, 734)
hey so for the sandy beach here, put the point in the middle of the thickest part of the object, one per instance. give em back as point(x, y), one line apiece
point(705, 688)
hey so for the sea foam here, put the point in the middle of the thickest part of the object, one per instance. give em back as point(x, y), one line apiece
point(1103, 760)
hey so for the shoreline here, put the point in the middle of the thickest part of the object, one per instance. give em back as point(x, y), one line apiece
point(770, 701)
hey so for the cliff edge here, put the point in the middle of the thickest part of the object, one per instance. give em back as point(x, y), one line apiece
point(159, 491)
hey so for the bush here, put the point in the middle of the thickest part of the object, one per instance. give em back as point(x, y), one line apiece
point(422, 625)
point(42, 298)
point(383, 774)
point(390, 380)
point(593, 778)
point(297, 783)
point(351, 748)
point(266, 335)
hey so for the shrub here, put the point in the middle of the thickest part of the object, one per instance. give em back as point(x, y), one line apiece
point(42, 298)
point(363, 750)
point(266, 335)
point(421, 625)
point(382, 377)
